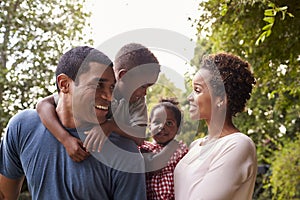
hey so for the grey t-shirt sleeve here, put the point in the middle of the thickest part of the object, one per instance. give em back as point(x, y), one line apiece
point(10, 163)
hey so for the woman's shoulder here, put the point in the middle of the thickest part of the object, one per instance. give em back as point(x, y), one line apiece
point(238, 141)
point(240, 138)
point(196, 142)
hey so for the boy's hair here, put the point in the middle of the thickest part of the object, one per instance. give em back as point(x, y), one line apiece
point(132, 55)
point(76, 62)
point(171, 104)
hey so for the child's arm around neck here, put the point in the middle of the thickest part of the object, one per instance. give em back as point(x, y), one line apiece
point(46, 110)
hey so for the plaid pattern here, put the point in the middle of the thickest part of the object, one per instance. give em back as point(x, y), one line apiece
point(160, 184)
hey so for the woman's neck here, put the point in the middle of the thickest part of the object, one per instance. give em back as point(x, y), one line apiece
point(219, 130)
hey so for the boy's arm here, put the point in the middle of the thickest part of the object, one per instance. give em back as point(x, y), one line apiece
point(156, 161)
point(10, 188)
point(135, 133)
point(97, 136)
point(73, 145)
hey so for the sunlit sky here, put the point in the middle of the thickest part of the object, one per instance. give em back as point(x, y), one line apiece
point(115, 18)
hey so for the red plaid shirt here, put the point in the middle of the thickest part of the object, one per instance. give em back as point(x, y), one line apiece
point(160, 184)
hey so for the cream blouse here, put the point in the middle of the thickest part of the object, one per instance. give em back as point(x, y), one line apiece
point(220, 170)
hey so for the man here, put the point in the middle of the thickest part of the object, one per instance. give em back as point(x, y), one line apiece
point(85, 81)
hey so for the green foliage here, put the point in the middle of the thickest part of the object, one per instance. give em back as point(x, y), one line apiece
point(270, 15)
point(33, 35)
point(285, 178)
point(164, 88)
point(236, 27)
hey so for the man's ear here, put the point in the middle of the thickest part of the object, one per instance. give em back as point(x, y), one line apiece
point(63, 82)
point(121, 73)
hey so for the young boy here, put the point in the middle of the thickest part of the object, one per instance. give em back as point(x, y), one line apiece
point(136, 69)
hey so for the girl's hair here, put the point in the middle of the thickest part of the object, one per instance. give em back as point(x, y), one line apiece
point(171, 104)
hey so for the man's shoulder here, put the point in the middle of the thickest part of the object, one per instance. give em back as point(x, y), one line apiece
point(28, 116)
point(123, 142)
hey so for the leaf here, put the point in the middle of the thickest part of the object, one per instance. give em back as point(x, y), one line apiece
point(270, 12)
point(261, 38)
point(290, 14)
point(282, 8)
point(272, 5)
point(224, 9)
point(283, 16)
point(267, 27)
point(268, 32)
point(269, 19)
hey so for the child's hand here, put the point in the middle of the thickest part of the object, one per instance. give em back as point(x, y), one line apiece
point(96, 137)
point(75, 149)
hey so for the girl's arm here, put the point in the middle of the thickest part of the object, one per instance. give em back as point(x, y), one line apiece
point(47, 113)
point(136, 133)
point(97, 136)
point(159, 160)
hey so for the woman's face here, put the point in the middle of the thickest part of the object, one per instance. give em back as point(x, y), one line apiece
point(163, 125)
point(200, 99)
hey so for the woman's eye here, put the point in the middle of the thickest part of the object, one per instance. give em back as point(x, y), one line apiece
point(197, 90)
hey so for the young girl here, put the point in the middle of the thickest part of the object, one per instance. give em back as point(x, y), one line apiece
point(165, 123)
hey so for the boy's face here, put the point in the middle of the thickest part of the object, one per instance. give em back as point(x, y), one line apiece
point(134, 83)
point(140, 92)
point(93, 94)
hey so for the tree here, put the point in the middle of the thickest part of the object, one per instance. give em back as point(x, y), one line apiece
point(285, 179)
point(265, 33)
point(33, 35)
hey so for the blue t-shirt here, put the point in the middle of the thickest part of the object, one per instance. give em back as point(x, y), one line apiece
point(29, 149)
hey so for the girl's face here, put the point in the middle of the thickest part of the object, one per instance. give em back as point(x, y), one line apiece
point(163, 125)
point(200, 99)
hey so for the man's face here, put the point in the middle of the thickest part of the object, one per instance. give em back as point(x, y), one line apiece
point(93, 94)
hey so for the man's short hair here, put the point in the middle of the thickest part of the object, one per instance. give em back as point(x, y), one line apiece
point(76, 61)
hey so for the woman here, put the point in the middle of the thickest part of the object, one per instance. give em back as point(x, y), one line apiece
point(223, 164)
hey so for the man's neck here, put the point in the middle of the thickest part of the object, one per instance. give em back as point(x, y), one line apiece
point(65, 114)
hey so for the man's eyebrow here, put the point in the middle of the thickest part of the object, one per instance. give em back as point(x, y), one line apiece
point(100, 80)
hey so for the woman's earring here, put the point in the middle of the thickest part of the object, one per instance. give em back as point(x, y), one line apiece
point(219, 104)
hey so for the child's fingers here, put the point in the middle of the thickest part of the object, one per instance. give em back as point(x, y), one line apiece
point(88, 141)
point(97, 142)
point(101, 144)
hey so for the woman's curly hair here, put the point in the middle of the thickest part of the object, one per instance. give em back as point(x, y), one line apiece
point(231, 73)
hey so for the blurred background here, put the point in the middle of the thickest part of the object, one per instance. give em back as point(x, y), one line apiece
point(35, 33)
